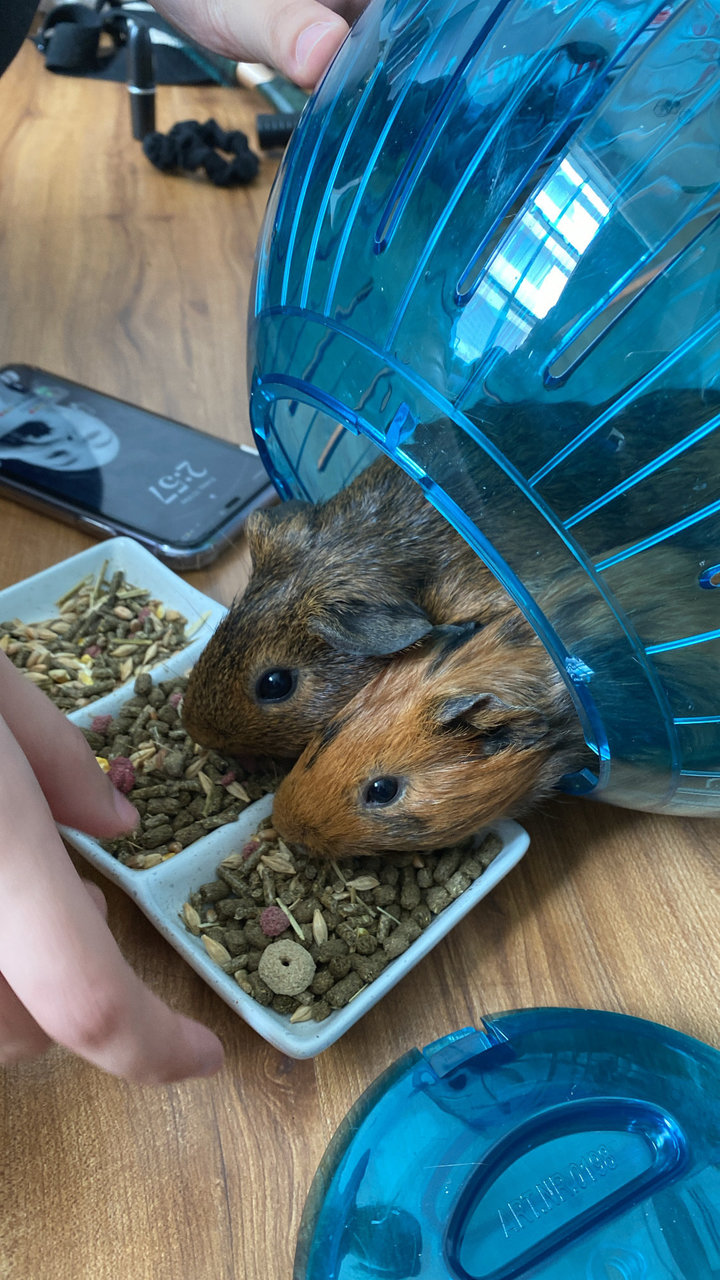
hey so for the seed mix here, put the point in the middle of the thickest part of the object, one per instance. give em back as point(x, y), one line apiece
point(181, 790)
point(303, 936)
point(106, 631)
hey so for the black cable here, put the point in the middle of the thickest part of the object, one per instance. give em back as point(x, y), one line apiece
point(190, 145)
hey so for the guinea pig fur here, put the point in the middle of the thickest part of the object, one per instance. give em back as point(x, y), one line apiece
point(468, 726)
point(336, 590)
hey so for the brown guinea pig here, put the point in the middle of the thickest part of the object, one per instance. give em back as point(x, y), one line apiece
point(473, 724)
point(336, 590)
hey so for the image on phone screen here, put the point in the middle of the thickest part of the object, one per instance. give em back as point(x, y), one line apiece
point(121, 463)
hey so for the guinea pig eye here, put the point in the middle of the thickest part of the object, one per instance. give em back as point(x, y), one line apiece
point(381, 790)
point(275, 684)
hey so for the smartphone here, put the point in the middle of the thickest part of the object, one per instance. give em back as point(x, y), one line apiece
point(113, 468)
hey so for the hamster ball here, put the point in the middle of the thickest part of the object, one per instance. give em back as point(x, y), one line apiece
point(492, 252)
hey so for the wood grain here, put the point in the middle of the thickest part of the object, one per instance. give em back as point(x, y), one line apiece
point(137, 283)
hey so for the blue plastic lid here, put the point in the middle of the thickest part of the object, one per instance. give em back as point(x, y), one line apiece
point(557, 1143)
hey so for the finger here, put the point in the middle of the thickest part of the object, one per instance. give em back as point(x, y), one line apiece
point(97, 897)
point(298, 37)
point(20, 1035)
point(78, 792)
point(70, 975)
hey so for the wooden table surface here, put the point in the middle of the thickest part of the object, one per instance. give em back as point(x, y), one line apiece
point(136, 283)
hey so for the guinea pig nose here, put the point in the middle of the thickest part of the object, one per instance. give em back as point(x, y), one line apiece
point(301, 849)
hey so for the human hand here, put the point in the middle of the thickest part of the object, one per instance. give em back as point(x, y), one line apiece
point(62, 976)
point(298, 37)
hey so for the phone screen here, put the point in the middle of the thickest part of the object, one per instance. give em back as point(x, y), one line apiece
point(119, 461)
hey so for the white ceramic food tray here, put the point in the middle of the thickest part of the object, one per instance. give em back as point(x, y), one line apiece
point(161, 891)
point(35, 598)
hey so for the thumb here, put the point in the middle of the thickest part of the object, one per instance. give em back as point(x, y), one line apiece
point(78, 793)
point(302, 40)
point(77, 790)
point(298, 37)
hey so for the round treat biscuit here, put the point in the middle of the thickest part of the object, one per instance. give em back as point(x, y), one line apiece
point(286, 967)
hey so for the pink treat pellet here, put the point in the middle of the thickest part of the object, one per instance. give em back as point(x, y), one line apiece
point(122, 774)
point(273, 921)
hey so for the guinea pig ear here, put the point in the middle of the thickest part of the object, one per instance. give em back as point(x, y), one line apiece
point(282, 510)
point(365, 630)
point(496, 724)
point(262, 523)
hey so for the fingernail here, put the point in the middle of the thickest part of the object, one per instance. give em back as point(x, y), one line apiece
point(309, 38)
point(126, 812)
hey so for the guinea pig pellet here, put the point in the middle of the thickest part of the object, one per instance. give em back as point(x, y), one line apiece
point(181, 790)
point(270, 903)
point(105, 632)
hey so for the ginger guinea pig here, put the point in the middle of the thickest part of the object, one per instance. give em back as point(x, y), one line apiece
point(472, 724)
point(336, 590)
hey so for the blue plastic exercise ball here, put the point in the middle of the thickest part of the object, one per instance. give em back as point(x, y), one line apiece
point(492, 251)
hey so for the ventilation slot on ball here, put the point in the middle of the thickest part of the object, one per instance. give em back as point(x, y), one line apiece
point(630, 289)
